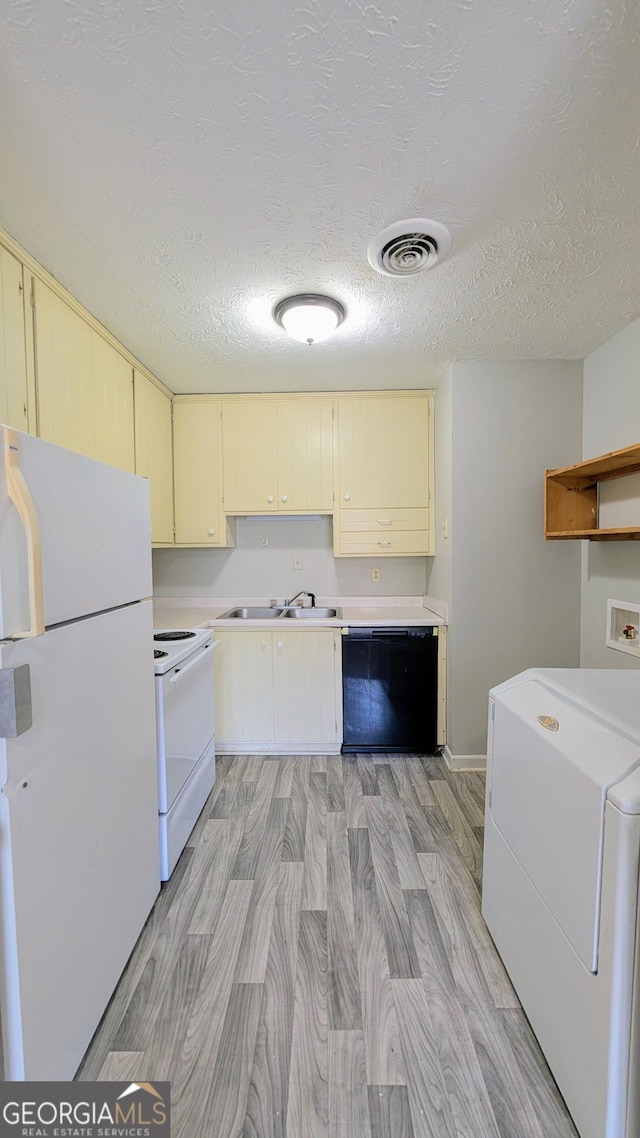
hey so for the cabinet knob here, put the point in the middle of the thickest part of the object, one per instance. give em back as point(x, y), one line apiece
point(263, 644)
point(347, 497)
point(284, 498)
point(211, 532)
point(269, 497)
point(279, 644)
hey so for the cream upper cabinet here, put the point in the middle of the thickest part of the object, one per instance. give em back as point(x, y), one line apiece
point(154, 454)
point(84, 385)
point(278, 455)
point(64, 373)
point(383, 449)
point(13, 356)
point(305, 455)
point(250, 456)
point(113, 405)
point(385, 476)
point(197, 472)
point(278, 690)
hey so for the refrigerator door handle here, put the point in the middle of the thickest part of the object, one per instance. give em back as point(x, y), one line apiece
point(15, 701)
point(21, 498)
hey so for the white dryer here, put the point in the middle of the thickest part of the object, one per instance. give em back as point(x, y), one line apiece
point(561, 877)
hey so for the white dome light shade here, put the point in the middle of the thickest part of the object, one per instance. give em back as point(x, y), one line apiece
point(309, 317)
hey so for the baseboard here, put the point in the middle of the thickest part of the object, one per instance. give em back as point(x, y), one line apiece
point(464, 762)
point(243, 748)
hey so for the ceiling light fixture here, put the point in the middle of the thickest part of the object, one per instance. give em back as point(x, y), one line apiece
point(309, 317)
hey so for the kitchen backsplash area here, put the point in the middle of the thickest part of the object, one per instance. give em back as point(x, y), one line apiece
point(254, 568)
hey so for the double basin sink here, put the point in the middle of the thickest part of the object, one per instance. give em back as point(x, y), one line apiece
point(296, 612)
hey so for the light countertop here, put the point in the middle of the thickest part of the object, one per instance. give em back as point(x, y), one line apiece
point(177, 612)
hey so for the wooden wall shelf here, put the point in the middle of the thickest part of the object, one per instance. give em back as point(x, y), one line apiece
point(571, 497)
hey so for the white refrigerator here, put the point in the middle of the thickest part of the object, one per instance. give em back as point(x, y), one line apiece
point(79, 858)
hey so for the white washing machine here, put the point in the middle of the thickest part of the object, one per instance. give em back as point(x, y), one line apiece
point(561, 876)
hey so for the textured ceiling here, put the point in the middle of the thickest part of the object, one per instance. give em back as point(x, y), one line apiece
point(180, 165)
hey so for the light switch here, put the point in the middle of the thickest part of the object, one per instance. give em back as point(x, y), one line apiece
point(297, 561)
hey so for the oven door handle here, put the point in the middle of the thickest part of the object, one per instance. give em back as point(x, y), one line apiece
point(180, 671)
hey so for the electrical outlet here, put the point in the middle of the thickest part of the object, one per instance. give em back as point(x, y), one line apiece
point(445, 527)
point(264, 541)
point(375, 576)
point(297, 561)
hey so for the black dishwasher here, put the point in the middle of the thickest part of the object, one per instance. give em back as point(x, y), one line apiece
point(390, 689)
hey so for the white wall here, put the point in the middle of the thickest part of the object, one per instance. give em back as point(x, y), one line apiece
point(611, 421)
point(515, 597)
point(440, 567)
point(255, 570)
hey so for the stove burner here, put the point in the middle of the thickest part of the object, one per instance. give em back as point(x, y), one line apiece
point(157, 653)
point(178, 634)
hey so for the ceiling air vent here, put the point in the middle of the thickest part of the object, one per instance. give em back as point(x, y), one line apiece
point(408, 247)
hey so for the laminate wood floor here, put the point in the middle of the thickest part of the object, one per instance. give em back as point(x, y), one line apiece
point(318, 966)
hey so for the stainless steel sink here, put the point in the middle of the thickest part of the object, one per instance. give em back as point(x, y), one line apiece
point(255, 613)
point(312, 614)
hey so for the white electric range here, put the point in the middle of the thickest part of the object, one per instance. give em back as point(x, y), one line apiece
point(183, 663)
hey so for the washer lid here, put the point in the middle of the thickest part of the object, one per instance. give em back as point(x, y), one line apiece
point(613, 694)
point(553, 761)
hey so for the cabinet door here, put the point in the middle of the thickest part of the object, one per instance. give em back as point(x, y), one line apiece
point(113, 405)
point(305, 455)
point(197, 474)
point(383, 448)
point(250, 456)
point(304, 687)
point(13, 358)
point(64, 370)
point(154, 454)
point(244, 687)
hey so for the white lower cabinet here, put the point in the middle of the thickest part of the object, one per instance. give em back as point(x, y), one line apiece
point(278, 691)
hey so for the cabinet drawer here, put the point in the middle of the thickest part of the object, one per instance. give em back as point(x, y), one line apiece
point(399, 543)
point(372, 521)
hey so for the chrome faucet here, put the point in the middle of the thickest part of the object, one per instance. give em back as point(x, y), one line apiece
point(302, 593)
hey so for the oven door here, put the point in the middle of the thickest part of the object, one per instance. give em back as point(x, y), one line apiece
point(185, 721)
